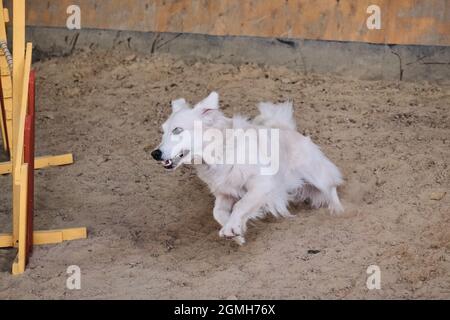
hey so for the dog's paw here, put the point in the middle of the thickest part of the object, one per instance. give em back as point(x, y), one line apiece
point(231, 230)
point(240, 240)
point(336, 210)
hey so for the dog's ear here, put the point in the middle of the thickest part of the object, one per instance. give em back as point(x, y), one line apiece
point(211, 102)
point(178, 104)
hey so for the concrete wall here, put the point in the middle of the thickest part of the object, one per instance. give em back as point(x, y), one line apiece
point(356, 60)
point(420, 22)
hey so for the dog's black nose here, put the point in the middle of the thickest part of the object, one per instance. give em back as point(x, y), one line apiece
point(157, 154)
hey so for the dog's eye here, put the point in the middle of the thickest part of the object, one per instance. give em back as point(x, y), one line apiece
point(177, 130)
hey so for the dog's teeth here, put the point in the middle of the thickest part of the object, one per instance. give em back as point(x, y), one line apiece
point(167, 163)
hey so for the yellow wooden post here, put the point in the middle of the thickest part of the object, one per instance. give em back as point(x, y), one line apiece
point(57, 236)
point(5, 240)
point(21, 115)
point(19, 60)
point(22, 187)
point(18, 99)
point(41, 162)
point(43, 237)
point(10, 94)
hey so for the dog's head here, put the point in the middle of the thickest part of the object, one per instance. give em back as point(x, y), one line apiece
point(177, 143)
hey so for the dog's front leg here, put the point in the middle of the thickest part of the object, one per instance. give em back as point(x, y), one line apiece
point(222, 208)
point(250, 202)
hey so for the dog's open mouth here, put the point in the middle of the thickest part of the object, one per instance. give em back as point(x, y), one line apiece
point(170, 164)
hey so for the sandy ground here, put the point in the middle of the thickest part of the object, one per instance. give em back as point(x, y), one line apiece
point(152, 234)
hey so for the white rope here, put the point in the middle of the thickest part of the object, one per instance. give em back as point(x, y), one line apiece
point(4, 48)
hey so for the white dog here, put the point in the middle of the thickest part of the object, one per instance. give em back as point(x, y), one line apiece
point(242, 190)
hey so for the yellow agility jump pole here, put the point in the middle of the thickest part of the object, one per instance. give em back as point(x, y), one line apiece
point(22, 163)
point(6, 69)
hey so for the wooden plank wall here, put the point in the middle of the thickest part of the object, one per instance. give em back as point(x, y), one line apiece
point(425, 22)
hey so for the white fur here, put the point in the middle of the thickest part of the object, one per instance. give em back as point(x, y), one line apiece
point(241, 192)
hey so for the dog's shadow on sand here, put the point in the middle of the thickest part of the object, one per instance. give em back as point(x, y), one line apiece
point(255, 228)
point(198, 222)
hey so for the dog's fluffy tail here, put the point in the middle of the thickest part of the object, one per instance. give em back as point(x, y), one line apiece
point(276, 115)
